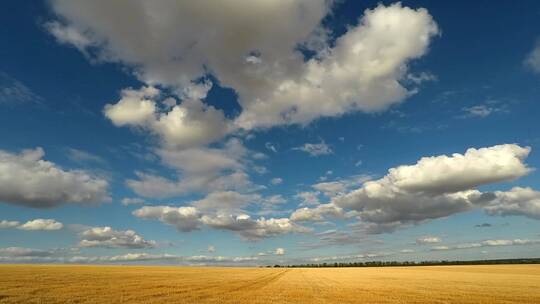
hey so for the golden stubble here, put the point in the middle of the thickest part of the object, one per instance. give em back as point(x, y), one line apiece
point(154, 284)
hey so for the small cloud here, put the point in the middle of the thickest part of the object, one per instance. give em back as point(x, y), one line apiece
point(260, 169)
point(358, 163)
point(483, 110)
point(279, 251)
point(8, 224)
point(532, 60)
point(132, 201)
point(276, 181)
point(41, 224)
point(211, 248)
point(80, 156)
point(427, 240)
point(421, 77)
point(271, 147)
point(315, 149)
point(259, 155)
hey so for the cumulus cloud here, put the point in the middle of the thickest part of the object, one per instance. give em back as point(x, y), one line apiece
point(315, 149)
point(340, 186)
point(183, 218)
point(275, 83)
point(318, 213)
point(189, 124)
point(41, 224)
point(199, 169)
point(106, 237)
point(427, 240)
point(190, 218)
point(516, 201)
point(434, 187)
point(27, 179)
point(4, 224)
point(253, 229)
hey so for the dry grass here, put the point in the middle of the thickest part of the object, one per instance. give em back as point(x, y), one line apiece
point(130, 284)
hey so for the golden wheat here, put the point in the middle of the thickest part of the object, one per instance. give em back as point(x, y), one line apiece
point(133, 284)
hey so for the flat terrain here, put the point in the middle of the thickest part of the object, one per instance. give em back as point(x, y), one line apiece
point(133, 284)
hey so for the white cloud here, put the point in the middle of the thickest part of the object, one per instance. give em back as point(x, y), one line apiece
point(279, 251)
point(533, 59)
point(190, 218)
point(211, 249)
point(340, 186)
point(8, 224)
point(81, 156)
point(136, 107)
point(308, 198)
point(199, 169)
point(253, 229)
point(272, 147)
point(274, 82)
point(478, 111)
point(126, 201)
point(427, 240)
point(225, 201)
point(187, 125)
point(484, 110)
point(106, 237)
point(315, 149)
point(41, 224)
point(29, 255)
point(318, 213)
point(434, 187)
point(276, 181)
point(517, 201)
point(23, 252)
point(421, 77)
point(183, 218)
point(28, 180)
point(487, 243)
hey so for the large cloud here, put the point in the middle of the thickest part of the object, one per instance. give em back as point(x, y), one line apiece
point(108, 238)
point(28, 180)
point(261, 61)
point(434, 187)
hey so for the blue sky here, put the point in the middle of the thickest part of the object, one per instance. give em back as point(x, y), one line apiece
point(260, 133)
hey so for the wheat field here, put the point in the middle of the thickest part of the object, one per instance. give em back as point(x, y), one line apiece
point(155, 284)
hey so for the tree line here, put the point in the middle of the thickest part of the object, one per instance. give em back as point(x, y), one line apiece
point(413, 263)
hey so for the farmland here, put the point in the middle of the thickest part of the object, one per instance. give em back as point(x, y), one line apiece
point(160, 284)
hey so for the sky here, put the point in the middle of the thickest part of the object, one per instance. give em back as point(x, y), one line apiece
point(263, 132)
